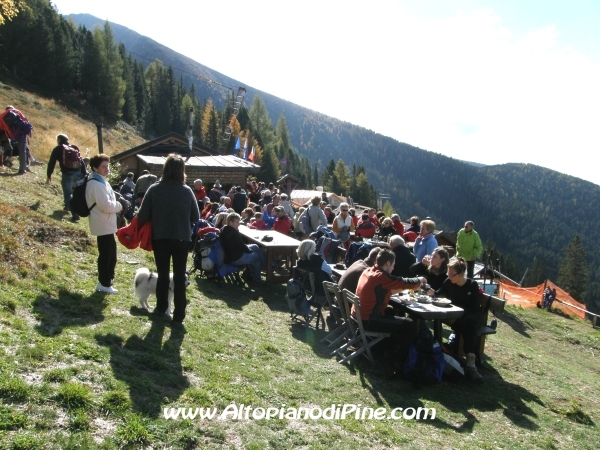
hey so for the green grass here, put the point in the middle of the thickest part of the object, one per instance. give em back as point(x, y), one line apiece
point(82, 370)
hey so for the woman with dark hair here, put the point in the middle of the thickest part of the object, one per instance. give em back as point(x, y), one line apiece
point(104, 207)
point(433, 268)
point(171, 206)
point(464, 292)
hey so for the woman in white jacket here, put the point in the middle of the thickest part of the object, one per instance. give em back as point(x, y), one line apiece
point(104, 208)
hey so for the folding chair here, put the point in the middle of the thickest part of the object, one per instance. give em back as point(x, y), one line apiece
point(335, 301)
point(312, 299)
point(364, 339)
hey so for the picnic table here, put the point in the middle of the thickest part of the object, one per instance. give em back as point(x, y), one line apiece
point(428, 311)
point(280, 245)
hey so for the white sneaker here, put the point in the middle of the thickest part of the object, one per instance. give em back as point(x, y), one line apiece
point(108, 290)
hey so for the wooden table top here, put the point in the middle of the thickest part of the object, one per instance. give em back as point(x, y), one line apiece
point(279, 240)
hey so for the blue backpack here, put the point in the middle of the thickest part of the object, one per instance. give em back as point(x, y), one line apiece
point(425, 362)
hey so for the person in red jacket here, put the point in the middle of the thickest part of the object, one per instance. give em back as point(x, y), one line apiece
point(375, 287)
point(365, 227)
point(279, 222)
point(398, 225)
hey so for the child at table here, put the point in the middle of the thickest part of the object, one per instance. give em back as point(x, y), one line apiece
point(258, 223)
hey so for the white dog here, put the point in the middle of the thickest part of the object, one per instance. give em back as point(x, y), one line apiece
point(145, 286)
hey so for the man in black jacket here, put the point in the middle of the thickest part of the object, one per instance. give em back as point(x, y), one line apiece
point(67, 156)
point(237, 252)
point(404, 257)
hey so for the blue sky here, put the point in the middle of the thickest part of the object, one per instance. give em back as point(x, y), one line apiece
point(487, 81)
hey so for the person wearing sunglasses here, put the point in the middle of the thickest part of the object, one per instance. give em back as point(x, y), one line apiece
point(343, 224)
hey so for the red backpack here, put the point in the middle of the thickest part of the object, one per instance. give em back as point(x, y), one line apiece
point(71, 157)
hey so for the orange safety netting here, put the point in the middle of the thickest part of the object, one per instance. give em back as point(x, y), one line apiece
point(529, 297)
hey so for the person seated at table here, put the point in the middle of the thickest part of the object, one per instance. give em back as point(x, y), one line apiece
point(352, 213)
point(426, 243)
point(464, 293)
point(312, 262)
point(247, 215)
point(387, 228)
point(404, 257)
point(365, 227)
point(237, 253)
point(343, 221)
point(279, 222)
point(375, 287)
point(214, 210)
point(398, 225)
point(258, 223)
point(373, 217)
point(206, 211)
point(225, 203)
point(349, 280)
point(433, 268)
point(221, 219)
point(412, 232)
point(329, 214)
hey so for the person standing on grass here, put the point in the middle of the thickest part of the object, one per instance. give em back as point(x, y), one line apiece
point(71, 166)
point(173, 210)
point(100, 197)
point(468, 246)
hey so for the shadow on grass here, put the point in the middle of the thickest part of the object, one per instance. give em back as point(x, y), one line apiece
point(515, 323)
point(59, 214)
point(68, 310)
point(151, 369)
point(235, 295)
point(459, 396)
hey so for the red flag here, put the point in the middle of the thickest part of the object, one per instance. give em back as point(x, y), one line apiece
point(251, 155)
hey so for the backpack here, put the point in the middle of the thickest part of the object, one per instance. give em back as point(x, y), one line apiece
point(71, 157)
point(296, 296)
point(78, 203)
point(202, 253)
point(11, 118)
point(356, 251)
point(425, 363)
point(305, 222)
point(327, 248)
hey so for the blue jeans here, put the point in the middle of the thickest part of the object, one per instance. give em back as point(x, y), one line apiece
point(68, 183)
point(257, 258)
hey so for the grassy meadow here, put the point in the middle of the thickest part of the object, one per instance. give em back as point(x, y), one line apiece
point(79, 369)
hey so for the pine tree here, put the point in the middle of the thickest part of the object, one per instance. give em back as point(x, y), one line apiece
point(112, 87)
point(315, 179)
point(573, 273)
point(388, 209)
point(269, 170)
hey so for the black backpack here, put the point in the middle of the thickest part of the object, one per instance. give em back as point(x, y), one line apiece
point(295, 294)
point(78, 203)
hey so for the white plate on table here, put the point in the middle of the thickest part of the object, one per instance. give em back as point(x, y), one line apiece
point(443, 302)
point(423, 298)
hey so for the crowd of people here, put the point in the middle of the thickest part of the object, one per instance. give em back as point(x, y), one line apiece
point(413, 258)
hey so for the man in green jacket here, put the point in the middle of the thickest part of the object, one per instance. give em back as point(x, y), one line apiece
point(468, 246)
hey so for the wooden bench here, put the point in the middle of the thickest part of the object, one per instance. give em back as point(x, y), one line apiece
point(488, 304)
